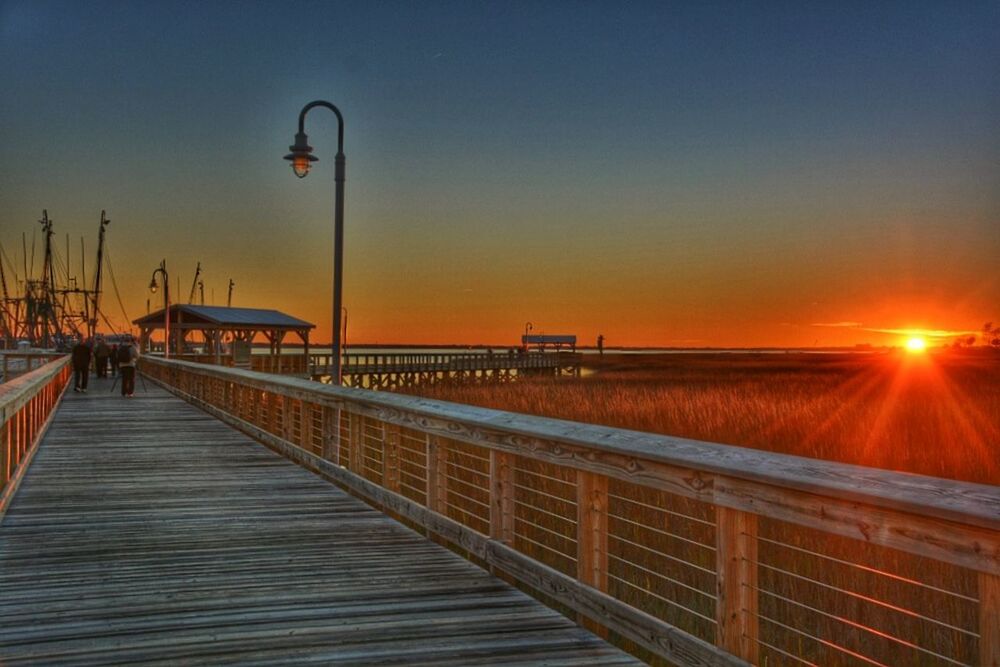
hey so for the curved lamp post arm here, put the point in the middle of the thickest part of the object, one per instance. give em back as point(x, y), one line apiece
point(331, 107)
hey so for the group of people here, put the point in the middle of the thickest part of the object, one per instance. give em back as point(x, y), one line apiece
point(121, 357)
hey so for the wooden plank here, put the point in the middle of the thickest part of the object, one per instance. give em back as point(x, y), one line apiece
point(147, 531)
point(650, 632)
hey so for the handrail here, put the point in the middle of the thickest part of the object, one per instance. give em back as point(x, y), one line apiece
point(7, 372)
point(26, 403)
point(440, 464)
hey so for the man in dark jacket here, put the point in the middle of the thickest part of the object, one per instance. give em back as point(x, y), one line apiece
point(101, 354)
point(81, 366)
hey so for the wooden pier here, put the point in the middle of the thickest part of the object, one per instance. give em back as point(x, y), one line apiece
point(392, 371)
point(148, 531)
point(396, 370)
point(163, 535)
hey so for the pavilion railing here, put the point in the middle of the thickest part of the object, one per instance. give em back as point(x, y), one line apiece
point(697, 553)
point(26, 403)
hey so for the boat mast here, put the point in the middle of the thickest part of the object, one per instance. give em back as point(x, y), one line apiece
point(194, 285)
point(95, 296)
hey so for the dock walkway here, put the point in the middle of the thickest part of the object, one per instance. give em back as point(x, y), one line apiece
point(148, 531)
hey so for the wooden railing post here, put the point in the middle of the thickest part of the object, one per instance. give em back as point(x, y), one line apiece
point(592, 536)
point(331, 428)
point(736, 582)
point(357, 439)
point(989, 619)
point(502, 496)
point(437, 475)
point(390, 456)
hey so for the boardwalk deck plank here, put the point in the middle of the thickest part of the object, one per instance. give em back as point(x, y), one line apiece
point(147, 531)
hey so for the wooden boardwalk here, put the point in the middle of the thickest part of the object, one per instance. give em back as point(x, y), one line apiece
point(147, 531)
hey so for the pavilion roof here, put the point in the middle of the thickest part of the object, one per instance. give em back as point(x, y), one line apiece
point(220, 316)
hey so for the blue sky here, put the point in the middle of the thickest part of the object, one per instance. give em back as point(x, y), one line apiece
point(727, 173)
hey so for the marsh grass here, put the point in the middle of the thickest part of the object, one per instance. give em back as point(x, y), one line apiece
point(935, 415)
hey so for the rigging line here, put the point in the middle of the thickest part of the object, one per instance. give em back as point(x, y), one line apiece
point(114, 283)
point(10, 265)
point(111, 326)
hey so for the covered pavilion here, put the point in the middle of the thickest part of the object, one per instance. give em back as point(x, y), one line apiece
point(214, 323)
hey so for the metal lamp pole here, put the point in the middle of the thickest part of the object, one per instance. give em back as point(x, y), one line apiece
point(302, 158)
point(166, 304)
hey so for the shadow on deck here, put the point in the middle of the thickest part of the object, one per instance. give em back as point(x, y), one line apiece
point(148, 531)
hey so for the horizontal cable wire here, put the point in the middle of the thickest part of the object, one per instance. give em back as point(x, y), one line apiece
point(668, 601)
point(872, 570)
point(547, 530)
point(662, 509)
point(784, 653)
point(551, 478)
point(539, 510)
point(530, 489)
point(824, 642)
point(419, 492)
point(403, 472)
point(865, 598)
point(522, 536)
point(452, 464)
point(473, 488)
point(458, 451)
point(665, 533)
point(662, 555)
point(859, 626)
point(469, 514)
point(663, 577)
point(452, 492)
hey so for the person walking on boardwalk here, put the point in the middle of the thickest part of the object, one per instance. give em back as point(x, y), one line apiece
point(101, 353)
point(81, 366)
point(114, 360)
point(128, 355)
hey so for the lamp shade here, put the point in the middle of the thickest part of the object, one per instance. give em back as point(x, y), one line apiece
point(301, 155)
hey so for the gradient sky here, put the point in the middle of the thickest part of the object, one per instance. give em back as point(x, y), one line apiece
point(690, 174)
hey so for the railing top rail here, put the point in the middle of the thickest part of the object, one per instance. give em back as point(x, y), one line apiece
point(18, 391)
point(29, 353)
point(963, 502)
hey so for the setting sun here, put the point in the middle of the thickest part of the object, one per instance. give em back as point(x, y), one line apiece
point(916, 344)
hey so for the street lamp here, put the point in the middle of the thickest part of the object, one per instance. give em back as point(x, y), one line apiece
point(166, 304)
point(302, 158)
point(528, 326)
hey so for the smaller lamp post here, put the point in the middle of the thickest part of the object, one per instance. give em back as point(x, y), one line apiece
point(166, 304)
point(528, 326)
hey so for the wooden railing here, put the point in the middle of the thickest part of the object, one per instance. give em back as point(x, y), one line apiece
point(25, 406)
point(13, 364)
point(697, 553)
